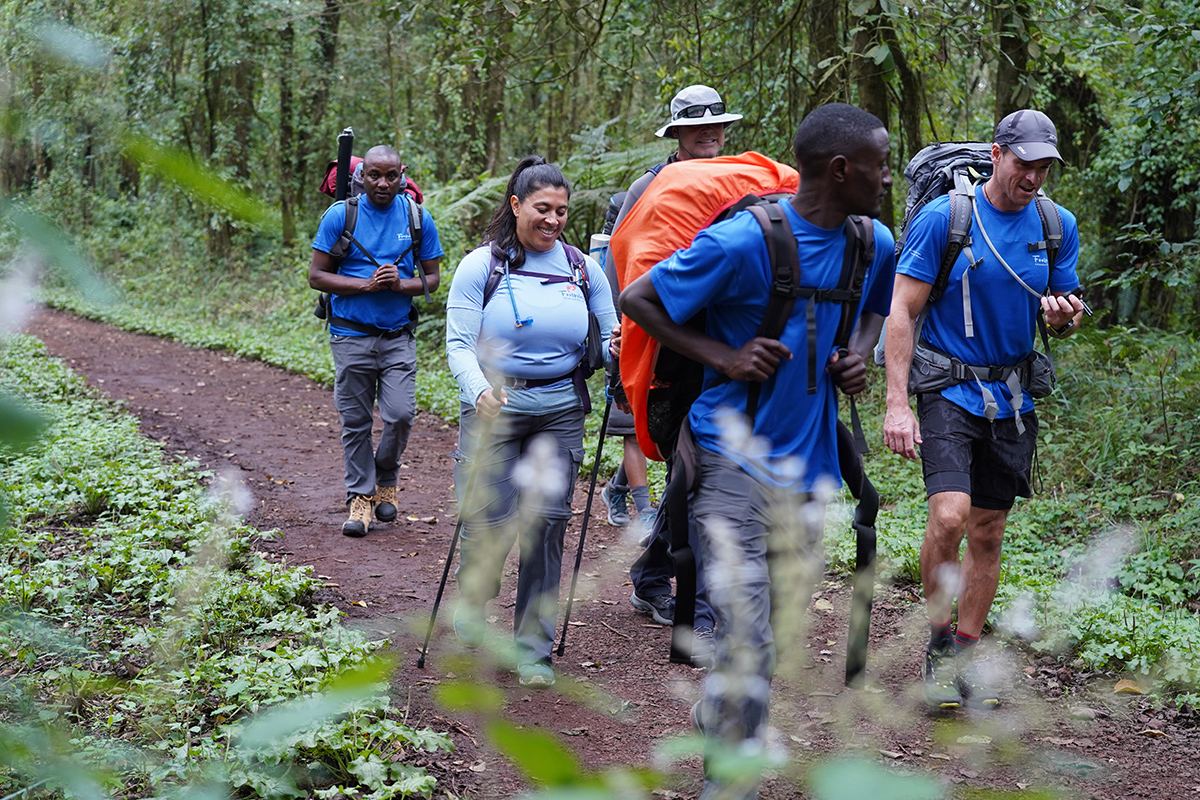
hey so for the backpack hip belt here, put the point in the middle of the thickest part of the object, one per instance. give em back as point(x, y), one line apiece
point(371, 330)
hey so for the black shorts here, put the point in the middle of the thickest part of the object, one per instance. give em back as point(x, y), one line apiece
point(620, 423)
point(961, 452)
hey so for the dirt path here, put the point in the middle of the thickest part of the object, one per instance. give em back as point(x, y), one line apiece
point(619, 698)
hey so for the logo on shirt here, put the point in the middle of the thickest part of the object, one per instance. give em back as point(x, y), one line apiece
point(571, 292)
point(404, 237)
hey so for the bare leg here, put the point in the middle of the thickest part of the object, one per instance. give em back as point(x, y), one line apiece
point(980, 568)
point(635, 463)
point(948, 515)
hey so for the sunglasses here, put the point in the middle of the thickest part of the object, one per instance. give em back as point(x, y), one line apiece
point(693, 112)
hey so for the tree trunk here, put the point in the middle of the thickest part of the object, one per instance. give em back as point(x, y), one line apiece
point(824, 53)
point(495, 78)
point(287, 137)
point(870, 81)
point(1009, 19)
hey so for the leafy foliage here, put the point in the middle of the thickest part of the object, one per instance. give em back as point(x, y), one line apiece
point(140, 622)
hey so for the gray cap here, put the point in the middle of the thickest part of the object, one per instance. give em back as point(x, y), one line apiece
point(1030, 134)
point(696, 99)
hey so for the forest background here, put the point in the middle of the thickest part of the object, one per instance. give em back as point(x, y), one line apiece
point(180, 146)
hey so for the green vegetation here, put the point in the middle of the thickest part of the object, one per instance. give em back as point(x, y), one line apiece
point(141, 629)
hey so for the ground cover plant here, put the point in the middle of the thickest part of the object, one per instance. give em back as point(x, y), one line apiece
point(148, 649)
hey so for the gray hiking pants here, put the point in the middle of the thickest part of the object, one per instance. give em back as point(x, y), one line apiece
point(520, 490)
point(761, 550)
point(370, 370)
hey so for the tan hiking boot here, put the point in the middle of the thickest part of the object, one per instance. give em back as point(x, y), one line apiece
point(385, 503)
point(360, 516)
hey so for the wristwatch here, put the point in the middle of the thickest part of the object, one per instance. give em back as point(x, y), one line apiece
point(1059, 331)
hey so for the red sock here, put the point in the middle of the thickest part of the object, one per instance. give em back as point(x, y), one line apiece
point(964, 641)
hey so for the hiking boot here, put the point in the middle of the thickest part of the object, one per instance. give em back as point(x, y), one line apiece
point(469, 625)
point(385, 503)
point(941, 679)
point(704, 647)
point(697, 717)
point(535, 676)
point(661, 607)
point(360, 516)
point(617, 502)
point(974, 687)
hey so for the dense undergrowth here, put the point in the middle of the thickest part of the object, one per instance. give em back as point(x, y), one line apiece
point(140, 629)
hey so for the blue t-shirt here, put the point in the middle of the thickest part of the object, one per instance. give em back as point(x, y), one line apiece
point(384, 232)
point(550, 341)
point(1004, 314)
point(727, 271)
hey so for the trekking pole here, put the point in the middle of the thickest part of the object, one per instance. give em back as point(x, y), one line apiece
point(341, 185)
point(587, 512)
point(458, 526)
point(863, 588)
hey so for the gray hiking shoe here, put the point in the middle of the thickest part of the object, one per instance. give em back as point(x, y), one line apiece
point(973, 685)
point(661, 607)
point(704, 647)
point(941, 679)
point(617, 502)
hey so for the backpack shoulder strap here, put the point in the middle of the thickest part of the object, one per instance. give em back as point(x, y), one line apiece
point(857, 259)
point(1052, 226)
point(342, 246)
point(958, 236)
point(495, 272)
point(415, 219)
point(785, 277)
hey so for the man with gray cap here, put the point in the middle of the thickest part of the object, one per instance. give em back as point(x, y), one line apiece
point(698, 121)
point(977, 435)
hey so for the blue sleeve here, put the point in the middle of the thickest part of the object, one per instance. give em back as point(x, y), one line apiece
point(882, 276)
point(1065, 277)
point(333, 222)
point(431, 243)
point(464, 318)
point(926, 242)
point(724, 262)
point(470, 277)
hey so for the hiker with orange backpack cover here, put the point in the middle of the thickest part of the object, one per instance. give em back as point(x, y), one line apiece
point(751, 496)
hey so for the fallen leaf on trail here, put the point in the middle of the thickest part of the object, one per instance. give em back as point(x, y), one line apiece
point(429, 519)
point(1152, 732)
point(361, 603)
point(823, 605)
point(376, 575)
point(1126, 686)
point(974, 739)
point(576, 624)
point(940, 756)
point(412, 518)
point(478, 766)
point(891, 754)
point(574, 732)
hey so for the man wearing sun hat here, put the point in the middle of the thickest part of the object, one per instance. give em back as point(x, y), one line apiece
point(977, 436)
point(697, 122)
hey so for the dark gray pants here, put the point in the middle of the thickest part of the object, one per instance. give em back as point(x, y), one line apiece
point(521, 489)
point(373, 369)
point(761, 550)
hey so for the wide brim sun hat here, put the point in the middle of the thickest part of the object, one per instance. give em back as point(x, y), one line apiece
point(699, 100)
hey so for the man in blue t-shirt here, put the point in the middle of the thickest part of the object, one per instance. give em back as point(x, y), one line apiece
point(977, 437)
point(759, 535)
point(371, 330)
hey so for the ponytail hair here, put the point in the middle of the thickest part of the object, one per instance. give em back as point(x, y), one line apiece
point(532, 173)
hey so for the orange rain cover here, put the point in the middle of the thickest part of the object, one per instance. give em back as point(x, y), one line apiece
point(680, 202)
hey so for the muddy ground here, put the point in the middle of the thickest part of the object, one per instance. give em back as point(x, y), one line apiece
point(618, 699)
